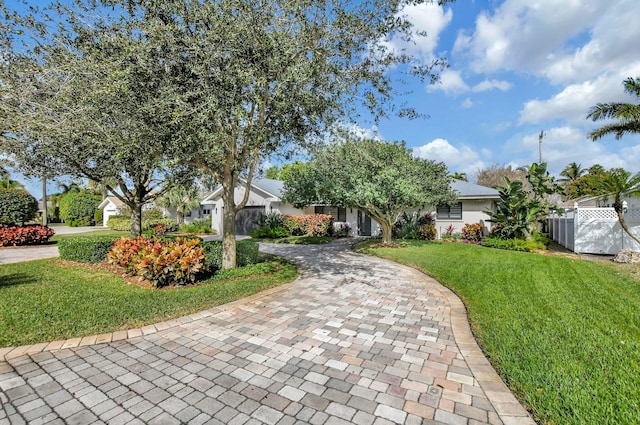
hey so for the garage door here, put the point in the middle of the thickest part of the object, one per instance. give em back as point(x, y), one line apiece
point(247, 219)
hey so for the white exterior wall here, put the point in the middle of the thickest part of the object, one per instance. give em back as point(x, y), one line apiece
point(109, 210)
point(472, 212)
point(255, 199)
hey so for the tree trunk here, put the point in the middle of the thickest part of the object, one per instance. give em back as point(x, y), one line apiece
point(624, 225)
point(386, 231)
point(45, 212)
point(136, 219)
point(228, 227)
point(179, 217)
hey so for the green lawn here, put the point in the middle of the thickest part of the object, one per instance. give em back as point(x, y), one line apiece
point(101, 231)
point(45, 301)
point(563, 333)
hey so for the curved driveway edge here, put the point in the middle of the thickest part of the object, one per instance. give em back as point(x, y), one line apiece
point(355, 339)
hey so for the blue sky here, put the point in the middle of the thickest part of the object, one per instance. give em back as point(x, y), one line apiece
point(518, 67)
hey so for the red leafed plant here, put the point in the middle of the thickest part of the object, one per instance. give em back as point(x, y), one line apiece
point(24, 235)
point(161, 262)
point(472, 232)
point(309, 225)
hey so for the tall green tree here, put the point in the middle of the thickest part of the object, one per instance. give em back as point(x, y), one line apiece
point(91, 97)
point(627, 114)
point(571, 173)
point(265, 77)
point(616, 184)
point(383, 179)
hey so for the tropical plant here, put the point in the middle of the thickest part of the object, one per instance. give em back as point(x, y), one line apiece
point(616, 184)
point(627, 114)
point(183, 199)
point(6, 182)
point(460, 176)
point(516, 211)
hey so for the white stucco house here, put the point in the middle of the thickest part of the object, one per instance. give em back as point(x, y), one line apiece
point(266, 197)
point(110, 206)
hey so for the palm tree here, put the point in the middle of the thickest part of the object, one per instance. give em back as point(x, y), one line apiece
point(571, 173)
point(182, 199)
point(616, 184)
point(6, 182)
point(460, 176)
point(627, 114)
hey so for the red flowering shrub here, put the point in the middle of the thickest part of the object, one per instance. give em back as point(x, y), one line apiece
point(428, 232)
point(472, 232)
point(24, 235)
point(126, 252)
point(309, 225)
point(175, 263)
point(162, 262)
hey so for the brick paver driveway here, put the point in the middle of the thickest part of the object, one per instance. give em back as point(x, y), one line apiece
point(354, 340)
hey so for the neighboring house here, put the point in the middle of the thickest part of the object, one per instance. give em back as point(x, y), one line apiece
point(266, 197)
point(110, 206)
point(473, 201)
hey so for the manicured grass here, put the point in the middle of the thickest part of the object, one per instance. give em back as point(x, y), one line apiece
point(97, 232)
point(300, 240)
point(563, 333)
point(44, 300)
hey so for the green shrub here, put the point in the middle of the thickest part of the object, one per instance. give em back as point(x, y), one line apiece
point(123, 223)
point(197, 225)
point(86, 249)
point(119, 222)
point(17, 207)
point(250, 270)
point(513, 244)
point(408, 226)
point(78, 208)
point(271, 220)
point(246, 253)
point(97, 217)
point(428, 232)
point(270, 233)
point(541, 238)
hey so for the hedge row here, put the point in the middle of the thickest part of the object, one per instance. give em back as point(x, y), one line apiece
point(309, 225)
point(122, 223)
point(86, 249)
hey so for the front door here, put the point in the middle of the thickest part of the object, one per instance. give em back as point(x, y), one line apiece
point(364, 224)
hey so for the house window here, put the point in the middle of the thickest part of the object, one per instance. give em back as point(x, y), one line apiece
point(339, 214)
point(451, 212)
point(206, 211)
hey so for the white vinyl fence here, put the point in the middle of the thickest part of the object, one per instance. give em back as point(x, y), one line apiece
point(594, 230)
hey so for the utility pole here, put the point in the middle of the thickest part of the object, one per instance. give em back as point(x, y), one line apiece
point(540, 137)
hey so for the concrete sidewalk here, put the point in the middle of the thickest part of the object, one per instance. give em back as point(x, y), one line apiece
point(355, 339)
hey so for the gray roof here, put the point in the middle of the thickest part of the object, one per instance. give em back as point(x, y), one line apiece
point(468, 190)
point(274, 187)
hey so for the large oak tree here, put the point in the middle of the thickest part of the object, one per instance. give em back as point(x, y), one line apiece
point(383, 179)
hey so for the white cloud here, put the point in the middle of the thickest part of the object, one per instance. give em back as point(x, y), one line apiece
point(563, 145)
point(530, 36)
point(426, 17)
point(468, 103)
point(451, 82)
point(463, 159)
point(572, 104)
point(491, 84)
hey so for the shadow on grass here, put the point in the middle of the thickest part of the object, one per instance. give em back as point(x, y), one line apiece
point(16, 279)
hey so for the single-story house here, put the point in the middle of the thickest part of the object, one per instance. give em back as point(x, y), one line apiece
point(266, 197)
point(110, 206)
